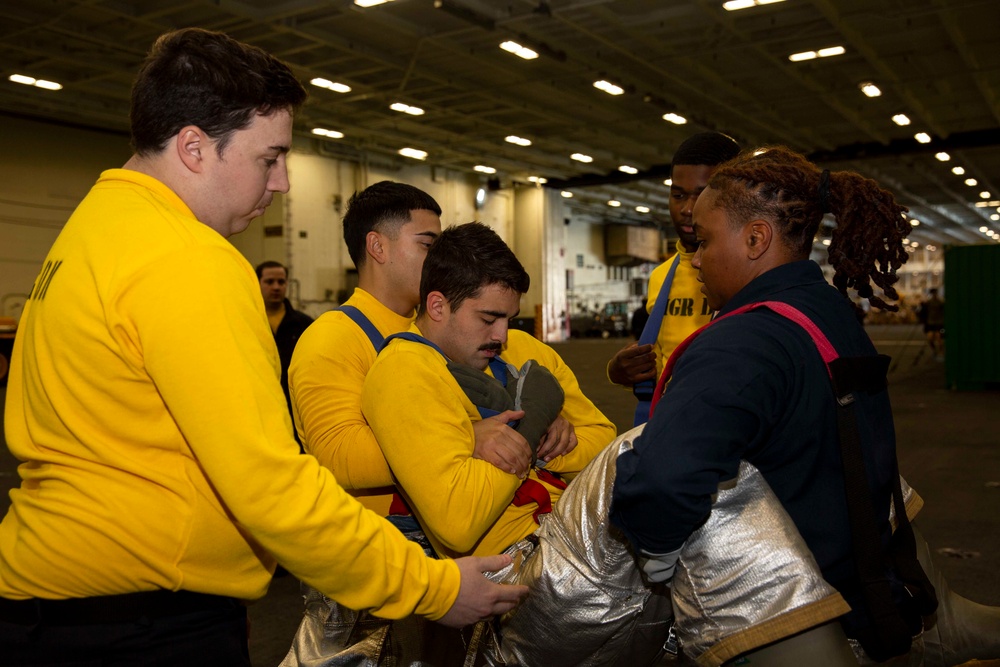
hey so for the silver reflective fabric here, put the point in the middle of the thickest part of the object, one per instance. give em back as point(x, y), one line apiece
point(746, 578)
point(587, 603)
point(331, 635)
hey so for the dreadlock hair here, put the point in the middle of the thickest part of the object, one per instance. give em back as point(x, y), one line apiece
point(780, 185)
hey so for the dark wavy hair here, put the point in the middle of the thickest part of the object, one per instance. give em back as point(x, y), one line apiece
point(780, 185)
point(383, 207)
point(210, 80)
point(465, 259)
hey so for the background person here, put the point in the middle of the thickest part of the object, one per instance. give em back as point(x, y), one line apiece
point(160, 479)
point(685, 309)
point(287, 324)
point(931, 315)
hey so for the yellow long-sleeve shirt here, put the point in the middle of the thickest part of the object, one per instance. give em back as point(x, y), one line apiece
point(424, 424)
point(327, 373)
point(687, 308)
point(157, 451)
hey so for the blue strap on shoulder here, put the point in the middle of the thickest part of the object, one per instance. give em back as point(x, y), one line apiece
point(497, 365)
point(644, 390)
point(366, 325)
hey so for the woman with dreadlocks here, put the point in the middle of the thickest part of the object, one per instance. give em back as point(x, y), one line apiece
point(760, 383)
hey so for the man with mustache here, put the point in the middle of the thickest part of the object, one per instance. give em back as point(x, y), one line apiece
point(470, 287)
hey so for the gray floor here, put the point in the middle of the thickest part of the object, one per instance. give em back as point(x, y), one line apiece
point(949, 450)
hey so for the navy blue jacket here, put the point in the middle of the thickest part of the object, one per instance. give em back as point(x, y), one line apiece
point(753, 386)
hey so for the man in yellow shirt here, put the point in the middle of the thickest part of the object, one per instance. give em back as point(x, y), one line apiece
point(684, 309)
point(387, 229)
point(470, 287)
point(160, 478)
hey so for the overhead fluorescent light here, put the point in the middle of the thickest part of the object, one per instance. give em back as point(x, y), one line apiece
point(944, 157)
point(323, 132)
point(608, 87)
point(971, 182)
point(642, 209)
point(821, 53)
point(37, 83)
point(668, 182)
point(628, 169)
point(914, 222)
point(567, 194)
point(370, 3)
point(414, 153)
point(520, 51)
point(320, 82)
point(406, 108)
point(514, 139)
point(676, 119)
point(995, 216)
point(922, 137)
point(580, 157)
point(984, 229)
point(826, 241)
point(901, 119)
point(538, 179)
point(984, 194)
point(870, 89)
point(958, 171)
point(614, 203)
point(733, 5)
point(483, 169)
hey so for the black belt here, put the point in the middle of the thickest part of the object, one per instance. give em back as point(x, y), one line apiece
point(111, 609)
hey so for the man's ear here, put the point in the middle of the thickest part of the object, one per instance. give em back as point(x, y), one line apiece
point(760, 233)
point(375, 247)
point(436, 306)
point(191, 144)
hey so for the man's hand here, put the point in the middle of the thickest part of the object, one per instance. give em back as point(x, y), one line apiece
point(499, 444)
point(631, 364)
point(558, 440)
point(478, 597)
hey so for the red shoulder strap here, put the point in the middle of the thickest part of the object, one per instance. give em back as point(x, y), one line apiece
point(826, 350)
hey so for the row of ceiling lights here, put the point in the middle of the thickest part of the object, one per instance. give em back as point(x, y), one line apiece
point(525, 53)
point(868, 88)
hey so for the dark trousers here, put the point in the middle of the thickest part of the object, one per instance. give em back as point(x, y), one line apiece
point(208, 638)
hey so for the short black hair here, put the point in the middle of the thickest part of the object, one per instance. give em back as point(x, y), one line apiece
point(383, 207)
point(270, 265)
point(706, 148)
point(210, 80)
point(465, 259)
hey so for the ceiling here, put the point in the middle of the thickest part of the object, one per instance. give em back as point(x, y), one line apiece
point(936, 61)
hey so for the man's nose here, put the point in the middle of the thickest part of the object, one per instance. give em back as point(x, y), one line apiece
point(500, 332)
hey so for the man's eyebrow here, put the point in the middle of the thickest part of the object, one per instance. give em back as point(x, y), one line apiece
point(280, 149)
point(680, 189)
point(432, 235)
point(499, 314)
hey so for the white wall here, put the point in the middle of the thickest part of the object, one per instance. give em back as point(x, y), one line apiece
point(47, 169)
